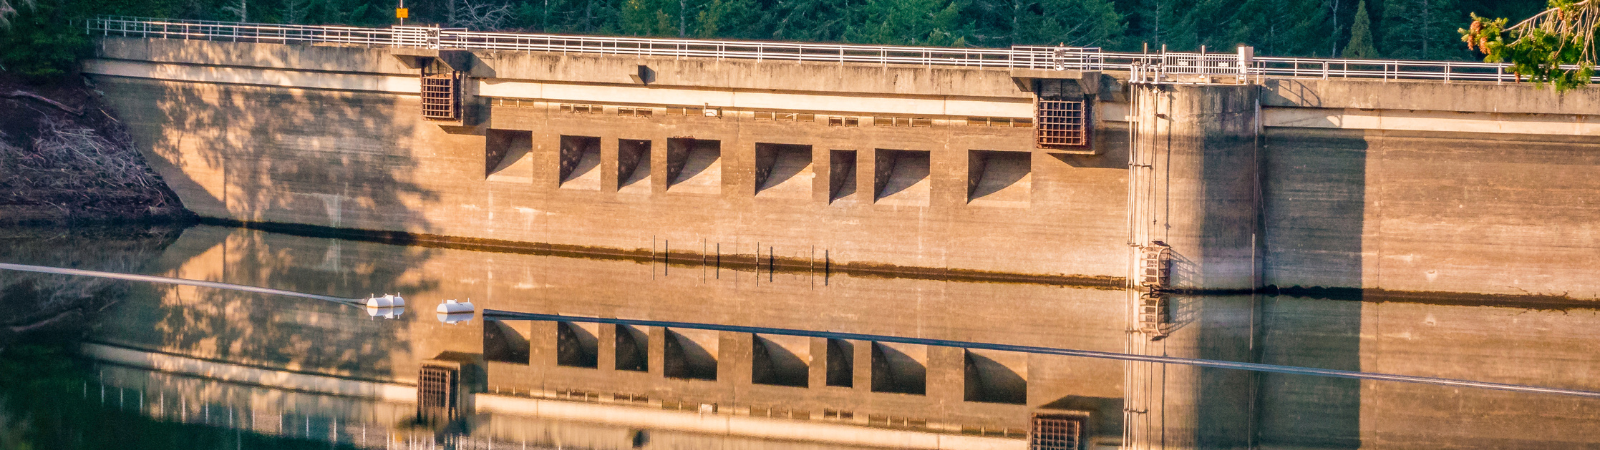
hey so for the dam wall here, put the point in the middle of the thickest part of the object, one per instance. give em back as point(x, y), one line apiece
point(1400, 187)
point(305, 143)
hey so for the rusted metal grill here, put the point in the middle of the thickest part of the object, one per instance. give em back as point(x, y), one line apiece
point(441, 96)
point(436, 391)
point(1057, 432)
point(1155, 266)
point(1062, 124)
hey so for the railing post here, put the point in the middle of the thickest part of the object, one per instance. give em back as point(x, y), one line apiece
point(1246, 55)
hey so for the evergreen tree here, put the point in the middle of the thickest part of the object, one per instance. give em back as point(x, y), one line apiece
point(646, 18)
point(1360, 46)
point(1083, 23)
point(909, 22)
point(739, 19)
point(810, 20)
point(1423, 29)
point(1278, 27)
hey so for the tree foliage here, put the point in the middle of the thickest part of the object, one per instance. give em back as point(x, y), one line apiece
point(1360, 46)
point(1556, 46)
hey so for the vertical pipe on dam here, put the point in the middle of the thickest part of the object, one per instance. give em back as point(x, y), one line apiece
point(1194, 176)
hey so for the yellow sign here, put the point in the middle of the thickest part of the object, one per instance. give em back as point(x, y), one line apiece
point(402, 13)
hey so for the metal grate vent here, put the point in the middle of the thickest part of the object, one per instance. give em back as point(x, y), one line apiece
point(441, 96)
point(1057, 432)
point(1062, 123)
point(436, 391)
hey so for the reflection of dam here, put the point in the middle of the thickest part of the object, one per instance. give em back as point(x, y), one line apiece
point(595, 386)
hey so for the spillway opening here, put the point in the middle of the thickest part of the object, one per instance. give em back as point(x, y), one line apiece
point(996, 377)
point(690, 354)
point(901, 177)
point(783, 171)
point(580, 163)
point(841, 363)
point(505, 155)
point(507, 341)
point(633, 166)
point(996, 178)
point(577, 345)
point(841, 174)
point(780, 360)
point(694, 166)
point(633, 348)
point(899, 368)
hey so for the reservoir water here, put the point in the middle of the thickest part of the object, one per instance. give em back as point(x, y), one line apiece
point(637, 354)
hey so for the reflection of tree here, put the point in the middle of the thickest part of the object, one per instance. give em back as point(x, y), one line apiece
point(43, 405)
point(292, 333)
point(35, 301)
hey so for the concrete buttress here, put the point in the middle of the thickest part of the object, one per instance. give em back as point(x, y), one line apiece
point(1194, 182)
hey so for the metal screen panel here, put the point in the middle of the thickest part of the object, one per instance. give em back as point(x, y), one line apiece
point(441, 96)
point(436, 390)
point(1057, 432)
point(1061, 124)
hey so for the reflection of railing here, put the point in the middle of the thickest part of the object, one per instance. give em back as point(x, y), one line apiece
point(179, 406)
point(1154, 67)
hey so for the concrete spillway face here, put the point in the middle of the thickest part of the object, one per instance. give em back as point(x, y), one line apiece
point(780, 360)
point(633, 348)
point(507, 341)
point(1194, 181)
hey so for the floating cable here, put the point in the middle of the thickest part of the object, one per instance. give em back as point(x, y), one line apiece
point(167, 280)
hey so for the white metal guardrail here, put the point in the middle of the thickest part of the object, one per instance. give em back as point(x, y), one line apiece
point(1148, 67)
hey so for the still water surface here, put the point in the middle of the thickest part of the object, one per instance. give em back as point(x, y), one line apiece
point(165, 366)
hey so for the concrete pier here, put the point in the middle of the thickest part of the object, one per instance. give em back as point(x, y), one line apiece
point(1196, 184)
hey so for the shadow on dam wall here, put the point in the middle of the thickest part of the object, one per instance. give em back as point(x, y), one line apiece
point(293, 156)
point(1313, 213)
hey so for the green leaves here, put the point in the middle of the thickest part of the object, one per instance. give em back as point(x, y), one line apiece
point(1553, 47)
point(38, 47)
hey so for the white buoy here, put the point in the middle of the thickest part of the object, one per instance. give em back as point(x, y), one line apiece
point(386, 301)
point(452, 311)
point(387, 313)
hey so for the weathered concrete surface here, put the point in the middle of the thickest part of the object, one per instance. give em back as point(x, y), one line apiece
point(364, 160)
point(1486, 343)
point(1196, 189)
point(1460, 97)
point(1478, 213)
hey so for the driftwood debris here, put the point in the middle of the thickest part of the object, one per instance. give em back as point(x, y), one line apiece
point(46, 100)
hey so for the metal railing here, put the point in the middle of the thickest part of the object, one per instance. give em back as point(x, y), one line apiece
point(1149, 67)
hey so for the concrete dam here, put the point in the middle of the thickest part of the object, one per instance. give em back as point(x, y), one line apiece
point(1178, 171)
